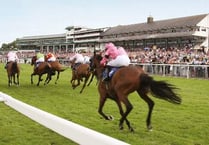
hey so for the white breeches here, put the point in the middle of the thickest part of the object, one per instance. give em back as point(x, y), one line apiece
point(52, 59)
point(11, 59)
point(121, 60)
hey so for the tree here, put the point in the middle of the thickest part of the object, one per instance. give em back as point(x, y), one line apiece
point(8, 46)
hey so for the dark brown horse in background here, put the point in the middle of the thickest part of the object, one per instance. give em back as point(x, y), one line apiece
point(13, 72)
point(81, 72)
point(43, 68)
point(127, 80)
point(56, 66)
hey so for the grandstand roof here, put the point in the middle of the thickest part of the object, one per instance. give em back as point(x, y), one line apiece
point(156, 25)
point(43, 36)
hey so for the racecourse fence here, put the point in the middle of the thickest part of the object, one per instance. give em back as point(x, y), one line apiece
point(176, 70)
point(70, 130)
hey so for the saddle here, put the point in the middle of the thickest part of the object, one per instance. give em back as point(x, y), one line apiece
point(75, 66)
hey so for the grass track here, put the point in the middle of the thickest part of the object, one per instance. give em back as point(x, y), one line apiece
point(185, 124)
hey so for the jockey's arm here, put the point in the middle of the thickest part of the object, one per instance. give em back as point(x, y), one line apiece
point(103, 61)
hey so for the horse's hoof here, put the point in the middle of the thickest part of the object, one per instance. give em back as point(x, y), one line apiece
point(110, 117)
point(120, 127)
point(149, 128)
point(131, 129)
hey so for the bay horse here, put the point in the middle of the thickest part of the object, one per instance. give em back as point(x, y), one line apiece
point(129, 79)
point(13, 72)
point(81, 72)
point(43, 68)
point(56, 67)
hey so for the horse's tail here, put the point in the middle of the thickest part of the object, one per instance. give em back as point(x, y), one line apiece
point(160, 89)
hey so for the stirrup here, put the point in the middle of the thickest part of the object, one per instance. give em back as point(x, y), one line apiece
point(105, 79)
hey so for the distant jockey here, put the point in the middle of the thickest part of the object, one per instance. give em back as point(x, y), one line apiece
point(11, 56)
point(87, 59)
point(50, 57)
point(77, 59)
point(114, 57)
point(39, 58)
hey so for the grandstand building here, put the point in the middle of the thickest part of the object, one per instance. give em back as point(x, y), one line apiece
point(43, 42)
point(191, 31)
point(75, 39)
point(83, 39)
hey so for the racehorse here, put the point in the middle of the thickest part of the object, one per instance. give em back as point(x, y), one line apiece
point(127, 80)
point(13, 72)
point(56, 66)
point(80, 72)
point(43, 68)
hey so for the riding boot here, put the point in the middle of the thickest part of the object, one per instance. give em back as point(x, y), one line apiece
point(105, 75)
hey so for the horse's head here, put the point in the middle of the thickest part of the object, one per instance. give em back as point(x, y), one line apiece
point(95, 61)
point(33, 60)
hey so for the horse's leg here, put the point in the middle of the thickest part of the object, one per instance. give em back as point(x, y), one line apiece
point(129, 107)
point(102, 101)
point(18, 83)
point(76, 78)
point(84, 84)
point(78, 83)
point(9, 80)
point(14, 79)
point(58, 74)
point(73, 82)
point(122, 113)
point(73, 79)
point(48, 79)
point(92, 77)
point(31, 78)
point(150, 105)
point(39, 79)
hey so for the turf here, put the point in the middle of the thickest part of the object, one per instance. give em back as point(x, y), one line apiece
point(185, 124)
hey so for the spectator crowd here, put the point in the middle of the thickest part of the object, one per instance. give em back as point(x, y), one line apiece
point(147, 55)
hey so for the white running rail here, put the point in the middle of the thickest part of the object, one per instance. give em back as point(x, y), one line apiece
point(70, 130)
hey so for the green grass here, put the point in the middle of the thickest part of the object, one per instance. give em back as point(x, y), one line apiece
point(185, 124)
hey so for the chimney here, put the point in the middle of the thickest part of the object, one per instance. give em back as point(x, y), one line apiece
point(150, 19)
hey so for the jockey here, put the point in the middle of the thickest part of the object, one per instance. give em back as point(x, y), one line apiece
point(87, 59)
point(11, 56)
point(78, 59)
point(40, 58)
point(114, 57)
point(50, 57)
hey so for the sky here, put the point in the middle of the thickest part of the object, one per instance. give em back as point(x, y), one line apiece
point(20, 18)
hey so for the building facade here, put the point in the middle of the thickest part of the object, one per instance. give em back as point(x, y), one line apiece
point(75, 39)
point(191, 31)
